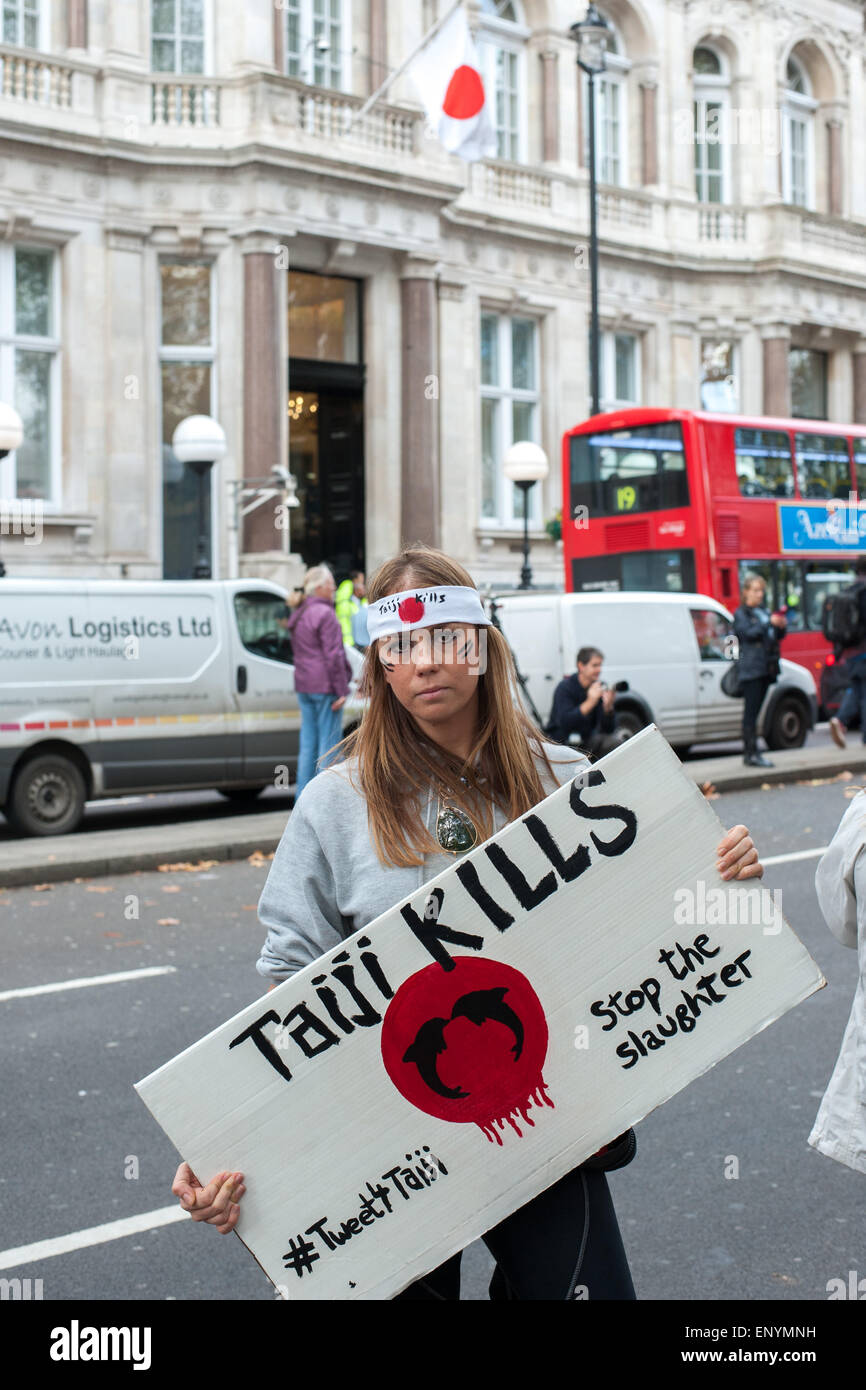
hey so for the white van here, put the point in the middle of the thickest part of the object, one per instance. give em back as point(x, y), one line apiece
point(672, 649)
point(108, 688)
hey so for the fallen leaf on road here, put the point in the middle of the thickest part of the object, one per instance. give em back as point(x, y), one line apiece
point(845, 777)
point(186, 867)
point(171, 888)
point(99, 888)
point(258, 858)
point(708, 790)
point(118, 934)
point(168, 922)
point(248, 907)
point(43, 887)
point(765, 787)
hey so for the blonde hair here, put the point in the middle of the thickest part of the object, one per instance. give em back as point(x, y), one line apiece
point(314, 577)
point(751, 579)
point(396, 761)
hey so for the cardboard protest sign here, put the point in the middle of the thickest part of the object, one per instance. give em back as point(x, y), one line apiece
point(405, 1093)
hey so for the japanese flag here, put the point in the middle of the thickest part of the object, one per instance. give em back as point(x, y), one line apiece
point(448, 79)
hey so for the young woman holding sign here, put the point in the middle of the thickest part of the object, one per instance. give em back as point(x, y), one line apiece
point(443, 759)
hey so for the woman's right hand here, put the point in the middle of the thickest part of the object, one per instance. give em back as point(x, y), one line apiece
point(218, 1203)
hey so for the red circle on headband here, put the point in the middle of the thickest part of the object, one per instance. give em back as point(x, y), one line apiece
point(411, 610)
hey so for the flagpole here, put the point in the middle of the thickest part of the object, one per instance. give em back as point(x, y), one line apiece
point(392, 77)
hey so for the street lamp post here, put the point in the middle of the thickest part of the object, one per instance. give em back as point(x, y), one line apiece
point(11, 435)
point(591, 34)
point(200, 442)
point(526, 464)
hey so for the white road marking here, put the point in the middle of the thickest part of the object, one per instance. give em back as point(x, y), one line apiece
point(94, 1235)
point(798, 854)
point(114, 979)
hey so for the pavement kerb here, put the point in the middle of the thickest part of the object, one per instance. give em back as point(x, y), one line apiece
point(24, 862)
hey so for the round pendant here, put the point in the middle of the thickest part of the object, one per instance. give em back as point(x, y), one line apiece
point(455, 831)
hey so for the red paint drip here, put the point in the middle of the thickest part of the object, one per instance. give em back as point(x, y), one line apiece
point(538, 1097)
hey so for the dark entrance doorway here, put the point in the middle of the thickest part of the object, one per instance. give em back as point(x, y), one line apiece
point(326, 455)
point(326, 420)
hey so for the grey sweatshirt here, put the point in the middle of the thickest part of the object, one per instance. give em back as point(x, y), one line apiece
point(326, 881)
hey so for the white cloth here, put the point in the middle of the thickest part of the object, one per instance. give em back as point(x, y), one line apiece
point(840, 1126)
point(411, 608)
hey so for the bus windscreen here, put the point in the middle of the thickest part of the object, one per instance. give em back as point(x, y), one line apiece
point(620, 472)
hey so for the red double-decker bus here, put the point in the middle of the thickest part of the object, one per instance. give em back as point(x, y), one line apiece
point(693, 501)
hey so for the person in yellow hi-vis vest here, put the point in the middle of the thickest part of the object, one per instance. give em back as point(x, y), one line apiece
point(351, 595)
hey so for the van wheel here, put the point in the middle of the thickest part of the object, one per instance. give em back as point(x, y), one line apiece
point(240, 794)
point(629, 722)
point(789, 724)
point(48, 796)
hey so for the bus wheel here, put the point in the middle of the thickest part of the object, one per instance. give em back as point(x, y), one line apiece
point(48, 796)
point(789, 724)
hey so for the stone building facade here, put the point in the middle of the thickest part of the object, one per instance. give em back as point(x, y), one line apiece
point(194, 219)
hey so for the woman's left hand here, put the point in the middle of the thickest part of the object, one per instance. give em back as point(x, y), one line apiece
point(738, 857)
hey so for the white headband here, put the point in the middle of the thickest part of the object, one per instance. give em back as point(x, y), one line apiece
point(446, 603)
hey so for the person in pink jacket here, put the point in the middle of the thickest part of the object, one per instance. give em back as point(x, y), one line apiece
point(322, 672)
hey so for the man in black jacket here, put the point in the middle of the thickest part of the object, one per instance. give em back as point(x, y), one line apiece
point(854, 699)
point(583, 706)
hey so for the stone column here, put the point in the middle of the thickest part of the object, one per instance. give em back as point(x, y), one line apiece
point(777, 373)
point(459, 419)
point(419, 511)
point(834, 168)
point(685, 376)
point(550, 104)
point(279, 39)
point(859, 363)
point(649, 133)
point(264, 367)
point(378, 43)
point(128, 485)
point(76, 23)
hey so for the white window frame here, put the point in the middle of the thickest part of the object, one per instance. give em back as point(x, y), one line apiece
point(801, 107)
point(607, 369)
point(714, 88)
point(207, 34)
point(509, 510)
point(310, 26)
point(44, 24)
point(192, 355)
point(9, 342)
point(511, 37)
point(615, 74)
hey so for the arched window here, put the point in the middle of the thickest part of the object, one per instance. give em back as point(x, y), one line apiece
point(798, 137)
point(502, 53)
point(611, 93)
point(178, 36)
point(712, 118)
point(317, 41)
point(25, 23)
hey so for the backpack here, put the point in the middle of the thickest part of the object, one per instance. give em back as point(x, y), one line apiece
point(841, 621)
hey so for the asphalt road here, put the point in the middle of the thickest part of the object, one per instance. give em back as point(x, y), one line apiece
point(80, 1150)
point(147, 809)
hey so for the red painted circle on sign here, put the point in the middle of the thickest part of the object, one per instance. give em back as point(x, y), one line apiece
point(468, 1044)
point(465, 95)
point(411, 610)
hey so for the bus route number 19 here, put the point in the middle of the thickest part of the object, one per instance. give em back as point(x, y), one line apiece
point(625, 499)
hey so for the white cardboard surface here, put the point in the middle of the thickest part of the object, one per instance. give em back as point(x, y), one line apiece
point(316, 1149)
